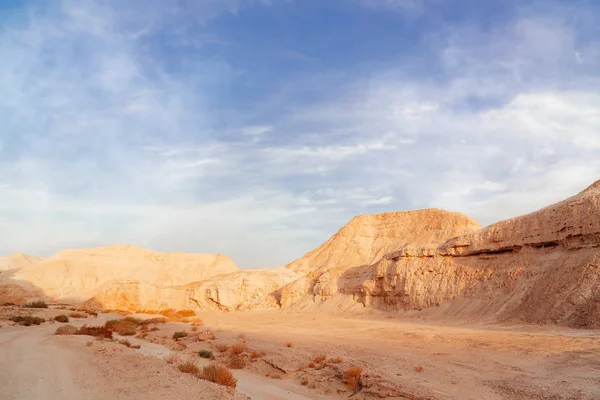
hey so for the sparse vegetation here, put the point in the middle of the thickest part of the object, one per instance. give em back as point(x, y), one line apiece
point(189, 367)
point(36, 304)
point(194, 328)
point(311, 365)
point(61, 318)
point(197, 322)
point(353, 375)
point(125, 327)
point(172, 358)
point(95, 331)
point(304, 381)
point(89, 343)
point(320, 358)
point(66, 330)
point(205, 354)
point(222, 347)
point(218, 374)
point(78, 315)
point(419, 369)
point(179, 335)
point(157, 320)
point(336, 360)
point(290, 344)
point(236, 361)
point(238, 348)
point(27, 320)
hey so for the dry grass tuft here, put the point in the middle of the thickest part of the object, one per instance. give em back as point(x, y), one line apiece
point(304, 381)
point(78, 315)
point(125, 327)
point(353, 376)
point(236, 361)
point(336, 360)
point(239, 348)
point(172, 358)
point(189, 367)
point(222, 347)
point(320, 358)
point(36, 304)
point(66, 330)
point(89, 343)
point(218, 374)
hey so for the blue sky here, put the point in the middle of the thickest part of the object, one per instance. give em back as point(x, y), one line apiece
point(257, 128)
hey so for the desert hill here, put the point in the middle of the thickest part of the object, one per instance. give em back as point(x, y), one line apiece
point(542, 267)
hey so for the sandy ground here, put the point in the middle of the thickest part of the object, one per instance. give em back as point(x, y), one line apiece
point(401, 359)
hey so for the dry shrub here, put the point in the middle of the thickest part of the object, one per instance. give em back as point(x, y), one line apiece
point(180, 315)
point(419, 369)
point(179, 335)
point(236, 361)
point(125, 327)
point(352, 376)
point(304, 381)
point(89, 343)
point(320, 358)
point(290, 344)
point(78, 315)
point(157, 320)
point(95, 331)
point(257, 354)
point(36, 304)
point(189, 367)
point(61, 318)
point(186, 313)
point(206, 354)
point(27, 320)
point(66, 330)
point(238, 348)
point(222, 347)
point(336, 360)
point(172, 358)
point(194, 328)
point(218, 374)
point(311, 365)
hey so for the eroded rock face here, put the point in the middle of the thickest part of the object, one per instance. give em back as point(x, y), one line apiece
point(543, 267)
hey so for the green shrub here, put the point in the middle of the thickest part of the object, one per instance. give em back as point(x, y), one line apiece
point(61, 318)
point(205, 354)
point(179, 335)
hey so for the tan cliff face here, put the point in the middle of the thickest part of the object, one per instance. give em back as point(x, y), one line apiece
point(542, 267)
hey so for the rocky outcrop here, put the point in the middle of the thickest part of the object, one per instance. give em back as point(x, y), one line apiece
point(539, 268)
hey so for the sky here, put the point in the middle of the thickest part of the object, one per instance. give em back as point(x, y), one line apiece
point(257, 128)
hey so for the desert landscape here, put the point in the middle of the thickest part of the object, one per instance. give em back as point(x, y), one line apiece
point(420, 304)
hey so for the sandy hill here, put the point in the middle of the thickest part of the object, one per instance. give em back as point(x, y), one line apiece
point(17, 261)
point(78, 274)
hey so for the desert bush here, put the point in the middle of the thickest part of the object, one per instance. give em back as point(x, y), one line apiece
point(27, 320)
point(353, 376)
point(320, 358)
point(336, 360)
point(218, 374)
point(8, 304)
point(239, 348)
point(189, 367)
point(304, 381)
point(95, 331)
point(205, 354)
point(61, 318)
point(236, 361)
point(222, 347)
point(157, 320)
point(125, 327)
point(290, 344)
point(36, 304)
point(179, 335)
point(66, 330)
point(78, 315)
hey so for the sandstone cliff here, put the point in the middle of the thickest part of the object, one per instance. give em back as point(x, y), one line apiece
point(543, 267)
